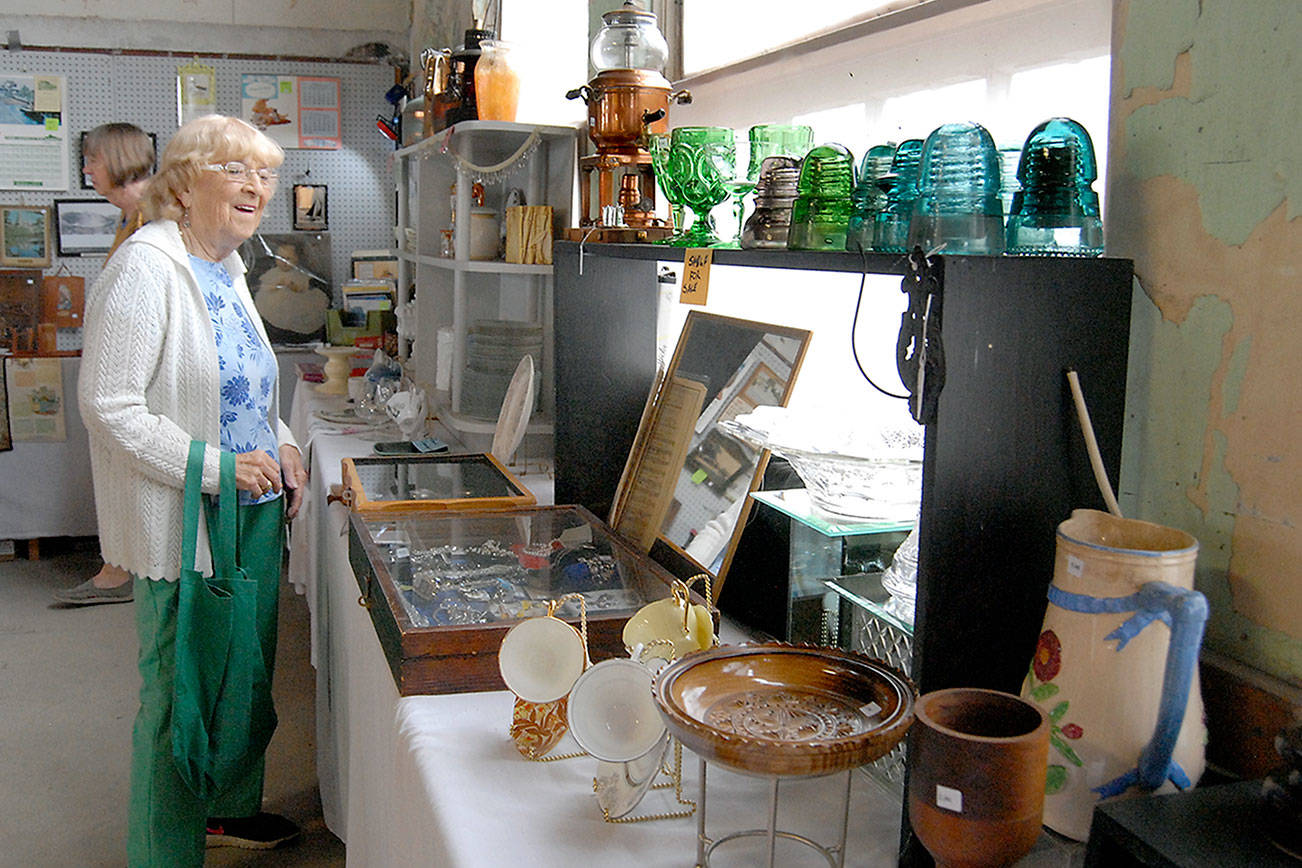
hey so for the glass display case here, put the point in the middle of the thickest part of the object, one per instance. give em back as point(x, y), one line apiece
point(443, 587)
point(865, 623)
point(800, 607)
point(403, 483)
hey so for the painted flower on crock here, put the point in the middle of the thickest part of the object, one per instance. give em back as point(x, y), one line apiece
point(1045, 666)
point(1048, 656)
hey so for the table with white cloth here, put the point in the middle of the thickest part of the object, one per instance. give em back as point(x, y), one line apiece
point(434, 780)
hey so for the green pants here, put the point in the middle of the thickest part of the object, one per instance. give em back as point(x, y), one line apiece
point(166, 820)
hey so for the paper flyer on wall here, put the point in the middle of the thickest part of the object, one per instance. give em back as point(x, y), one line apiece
point(196, 91)
point(33, 136)
point(296, 111)
point(35, 399)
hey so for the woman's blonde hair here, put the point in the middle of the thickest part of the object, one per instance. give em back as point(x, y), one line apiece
point(126, 150)
point(202, 141)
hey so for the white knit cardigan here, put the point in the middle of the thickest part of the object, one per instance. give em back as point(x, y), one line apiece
point(149, 385)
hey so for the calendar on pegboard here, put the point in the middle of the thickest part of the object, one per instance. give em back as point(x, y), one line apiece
point(33, 136)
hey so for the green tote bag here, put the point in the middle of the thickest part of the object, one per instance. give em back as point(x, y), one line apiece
point(222, 716)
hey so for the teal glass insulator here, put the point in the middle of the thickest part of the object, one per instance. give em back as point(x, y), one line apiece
point(821, 212)
point(891, 224)
point(958, 209)
point(868, 197)
point(1056, 211)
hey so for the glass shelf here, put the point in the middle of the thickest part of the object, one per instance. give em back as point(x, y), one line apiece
point(865, 591)
point(795, 503)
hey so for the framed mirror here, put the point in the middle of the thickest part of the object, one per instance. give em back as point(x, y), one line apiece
point(684, 492)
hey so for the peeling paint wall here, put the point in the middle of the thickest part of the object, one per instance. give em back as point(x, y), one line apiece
point(1204, 194)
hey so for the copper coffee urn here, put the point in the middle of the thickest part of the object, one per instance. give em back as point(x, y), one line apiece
point(627, 99)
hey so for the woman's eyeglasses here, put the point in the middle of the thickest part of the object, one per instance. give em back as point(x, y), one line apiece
point(236, 171)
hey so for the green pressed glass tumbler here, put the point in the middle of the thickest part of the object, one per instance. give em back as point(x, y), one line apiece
point(868, 197)
point(763, 141)
point(822, 209)
point(958, 209)
point(702, 161)
point(1056, 211)
point(891, 224)
point(777, 140)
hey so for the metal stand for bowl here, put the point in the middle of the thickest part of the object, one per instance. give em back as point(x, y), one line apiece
point(705, 845)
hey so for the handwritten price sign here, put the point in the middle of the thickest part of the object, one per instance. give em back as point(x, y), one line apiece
point(696, 275)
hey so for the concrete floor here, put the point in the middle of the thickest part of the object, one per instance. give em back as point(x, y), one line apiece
point(68, 696)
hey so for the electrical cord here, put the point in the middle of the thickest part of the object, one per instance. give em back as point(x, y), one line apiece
point(854, 328)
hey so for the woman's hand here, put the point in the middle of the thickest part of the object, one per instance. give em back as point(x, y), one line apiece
point(256, 472)
point(295, 476)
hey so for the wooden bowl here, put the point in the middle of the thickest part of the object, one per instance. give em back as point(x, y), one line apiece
point(785, 710)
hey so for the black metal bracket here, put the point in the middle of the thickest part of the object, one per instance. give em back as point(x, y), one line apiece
point(919, 352)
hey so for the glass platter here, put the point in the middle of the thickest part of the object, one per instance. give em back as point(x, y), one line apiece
point(389, 483)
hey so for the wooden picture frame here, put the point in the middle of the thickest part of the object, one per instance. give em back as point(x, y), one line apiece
point(85, 227)
point(81, 159)
point(24, 236)
point(310, 206)
point(380, 267)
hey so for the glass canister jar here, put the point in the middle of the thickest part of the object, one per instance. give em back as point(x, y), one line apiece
point(629, 39)
point(497, 84)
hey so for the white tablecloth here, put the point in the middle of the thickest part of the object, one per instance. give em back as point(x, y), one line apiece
point(434, 780)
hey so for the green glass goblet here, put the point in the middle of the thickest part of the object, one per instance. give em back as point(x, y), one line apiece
point(767, 140)
point(658, 145)
point(702, 160)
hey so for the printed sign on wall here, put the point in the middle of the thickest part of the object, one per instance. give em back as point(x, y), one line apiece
point(297, 111)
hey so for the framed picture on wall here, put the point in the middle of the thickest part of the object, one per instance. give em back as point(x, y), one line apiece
point(374, 265)
point(290, 278)
point(24, 236)
point(85, 227)
point(81, 150)
point(309, 203)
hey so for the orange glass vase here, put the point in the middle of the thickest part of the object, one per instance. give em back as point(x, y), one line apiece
point(497, 85)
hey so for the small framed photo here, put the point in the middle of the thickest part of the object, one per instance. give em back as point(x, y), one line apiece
point(81, 150)
point(378, 265)
point(24, 236)
point(310, 207)
point(85, 227)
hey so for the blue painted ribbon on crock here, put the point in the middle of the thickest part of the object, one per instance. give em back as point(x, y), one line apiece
point(1185, 612)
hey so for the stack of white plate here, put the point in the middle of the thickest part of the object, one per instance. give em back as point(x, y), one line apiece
point(494, 348)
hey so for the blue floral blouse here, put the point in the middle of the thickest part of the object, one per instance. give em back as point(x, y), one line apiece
point(248, 370)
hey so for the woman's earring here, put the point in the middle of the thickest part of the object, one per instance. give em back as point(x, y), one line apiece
point(185, 219)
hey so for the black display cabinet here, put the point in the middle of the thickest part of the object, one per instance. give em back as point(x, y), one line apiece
point(1004, 461)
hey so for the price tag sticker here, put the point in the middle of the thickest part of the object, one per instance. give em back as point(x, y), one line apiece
point(949, 798)
point(696, 275)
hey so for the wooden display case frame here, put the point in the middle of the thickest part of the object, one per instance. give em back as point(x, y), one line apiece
point(355, 492)
point(460, 658)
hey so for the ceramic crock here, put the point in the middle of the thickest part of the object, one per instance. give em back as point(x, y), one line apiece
point(976, 775)
point(1116, 665)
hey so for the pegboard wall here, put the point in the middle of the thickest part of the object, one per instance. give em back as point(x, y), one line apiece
point(101, 88)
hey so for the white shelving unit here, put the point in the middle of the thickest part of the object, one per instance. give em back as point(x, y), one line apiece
point(451, 294)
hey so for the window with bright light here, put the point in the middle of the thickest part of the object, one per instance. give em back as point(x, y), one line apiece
point(1006, 65)
point(549, 49)
point(715, 33)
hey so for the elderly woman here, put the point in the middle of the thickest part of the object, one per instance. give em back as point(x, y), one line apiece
point(174, 352)
point(119, 159)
